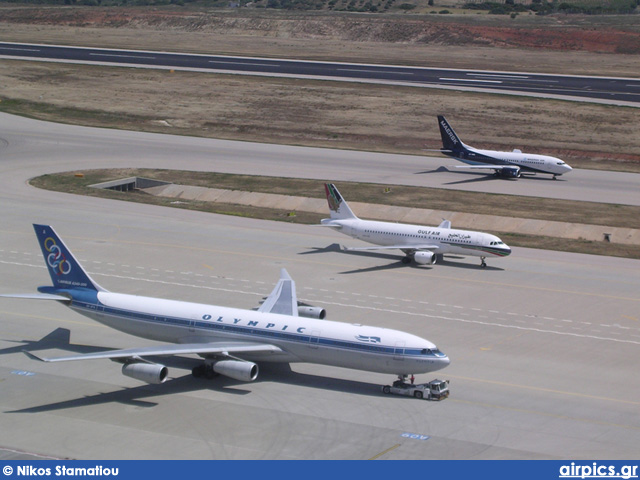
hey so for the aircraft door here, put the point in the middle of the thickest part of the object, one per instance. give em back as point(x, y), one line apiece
point(398, 350)
point(314, 339)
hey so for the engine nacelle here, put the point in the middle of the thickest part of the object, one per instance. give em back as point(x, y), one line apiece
point(510, 172)
point(243, 371)
point(146, 372)
point(424, 258)
point(312, 312)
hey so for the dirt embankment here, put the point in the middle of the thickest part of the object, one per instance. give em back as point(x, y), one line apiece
point(556, 34)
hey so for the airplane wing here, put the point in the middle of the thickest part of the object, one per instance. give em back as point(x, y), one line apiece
point(490, 167)
point(397, 247)
point(202, 349)
point(283, 298)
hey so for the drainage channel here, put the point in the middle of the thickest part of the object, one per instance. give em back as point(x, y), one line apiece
point(129, 184)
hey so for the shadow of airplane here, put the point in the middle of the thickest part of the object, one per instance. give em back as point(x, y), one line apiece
point(440, 169)
point(397, 260)
point(59, 338)
point(484, 176)
point(139, 396)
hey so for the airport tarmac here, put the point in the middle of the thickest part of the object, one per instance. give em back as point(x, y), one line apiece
point(544, 345)
point(56, 148)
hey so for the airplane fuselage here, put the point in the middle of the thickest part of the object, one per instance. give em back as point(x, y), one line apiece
point(527, 162)
point(301, 339)
point(448, 240)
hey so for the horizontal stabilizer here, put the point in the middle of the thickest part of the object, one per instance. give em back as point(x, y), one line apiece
point(35, 296)
point(327, 222)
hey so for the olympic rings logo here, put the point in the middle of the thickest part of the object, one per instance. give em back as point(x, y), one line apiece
point(56, 259)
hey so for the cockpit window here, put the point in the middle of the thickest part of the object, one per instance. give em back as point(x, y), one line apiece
point(432, 351)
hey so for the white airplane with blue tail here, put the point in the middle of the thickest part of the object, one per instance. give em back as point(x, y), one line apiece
point(504, 164)
point(229, 340)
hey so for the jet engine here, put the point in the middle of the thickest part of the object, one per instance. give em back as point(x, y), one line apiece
point(509, 172)
point(310, 311)
point(236, 369)
point(425, 258)
point(146, 372)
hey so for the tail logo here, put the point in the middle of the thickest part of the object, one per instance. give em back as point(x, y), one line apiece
point(56, 259)
point(364, 338)
point(446, 128)
point(333, 197)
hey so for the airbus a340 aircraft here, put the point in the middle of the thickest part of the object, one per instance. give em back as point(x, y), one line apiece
point(229, 340)
point(419, 243)
point(504, 164)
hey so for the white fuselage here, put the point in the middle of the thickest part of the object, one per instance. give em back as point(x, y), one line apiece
point(301, 339)
point(448, 240)
point(526, 161)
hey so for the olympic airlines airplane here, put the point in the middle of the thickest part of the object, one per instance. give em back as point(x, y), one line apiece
point(504, 164)
point(421, 244)
point(229, 340)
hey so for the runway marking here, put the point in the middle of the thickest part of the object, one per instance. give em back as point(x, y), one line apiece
point(391, 310)
point(270, 65)
point(375, 457)
point(121, 56)
point(468, 80)
point(369, 71)
point(22, 452)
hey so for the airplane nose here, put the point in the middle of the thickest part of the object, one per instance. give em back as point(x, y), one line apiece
point(507, 251)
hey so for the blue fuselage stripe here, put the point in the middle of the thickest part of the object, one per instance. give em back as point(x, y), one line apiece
point(252, 332)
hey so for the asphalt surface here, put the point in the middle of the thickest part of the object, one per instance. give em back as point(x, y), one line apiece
point(544, 345)
point(55, 149)
point(615, 90)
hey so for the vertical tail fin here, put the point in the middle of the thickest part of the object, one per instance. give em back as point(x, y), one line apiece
point(64, 269)
point(450, 141)
point(338, 207)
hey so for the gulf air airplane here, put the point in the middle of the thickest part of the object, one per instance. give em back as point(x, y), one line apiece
point(504, 164)
point(419, 243)
point(229, 340)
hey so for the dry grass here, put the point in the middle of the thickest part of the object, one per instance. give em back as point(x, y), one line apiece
point(318, 113)
point(330, 114)
point(369, 193)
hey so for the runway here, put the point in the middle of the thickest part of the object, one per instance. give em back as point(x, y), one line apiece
point(544, 345)
point(621, 91)
point(57, 148)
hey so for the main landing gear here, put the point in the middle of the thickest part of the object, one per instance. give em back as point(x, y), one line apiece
point(204, 370)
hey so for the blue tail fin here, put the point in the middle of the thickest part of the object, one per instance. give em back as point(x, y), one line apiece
point(64, 269)
point(450, 141)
